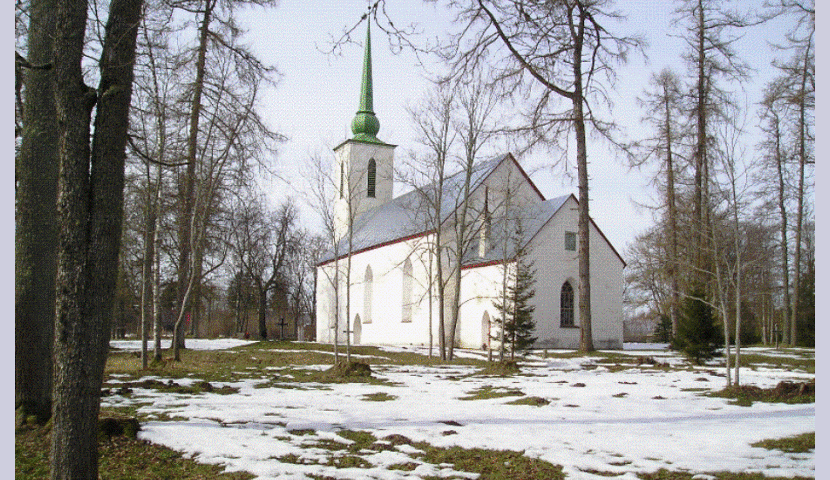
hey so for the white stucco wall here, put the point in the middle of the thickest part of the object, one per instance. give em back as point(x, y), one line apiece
point(387, 326)
point(479, 286)
point(555, 265)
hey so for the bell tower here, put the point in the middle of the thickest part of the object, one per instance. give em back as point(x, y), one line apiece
point(363, 164)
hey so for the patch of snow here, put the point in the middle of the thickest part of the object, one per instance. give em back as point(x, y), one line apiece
point(634, 420)
point(192, 344)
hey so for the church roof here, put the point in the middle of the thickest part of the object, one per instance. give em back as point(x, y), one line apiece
point(526, 225)
point(405, 217)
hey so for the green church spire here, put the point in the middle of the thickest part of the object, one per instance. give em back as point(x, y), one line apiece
point(366, 125)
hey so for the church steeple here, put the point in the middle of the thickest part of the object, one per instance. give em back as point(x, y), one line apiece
point(366, 125)
point(365, 165)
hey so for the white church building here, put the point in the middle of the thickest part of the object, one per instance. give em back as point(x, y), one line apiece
point(385, 248)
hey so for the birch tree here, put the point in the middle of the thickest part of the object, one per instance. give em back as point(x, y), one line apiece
point(474, 129)
point(433, 121)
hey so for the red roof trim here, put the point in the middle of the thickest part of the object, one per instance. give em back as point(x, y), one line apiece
point(484, 264)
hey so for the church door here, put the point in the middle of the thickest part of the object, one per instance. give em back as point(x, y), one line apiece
point(356, 329)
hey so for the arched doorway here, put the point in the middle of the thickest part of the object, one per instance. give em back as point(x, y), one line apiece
point(485, 331)
point(356, 330)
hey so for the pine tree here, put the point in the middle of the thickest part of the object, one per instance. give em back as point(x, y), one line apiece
point(662, 331)
point(518, 313)
point(697, 336)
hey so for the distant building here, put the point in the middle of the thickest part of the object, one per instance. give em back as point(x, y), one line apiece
point(392, 264)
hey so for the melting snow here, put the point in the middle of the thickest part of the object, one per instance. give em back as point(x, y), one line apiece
point(635, 420)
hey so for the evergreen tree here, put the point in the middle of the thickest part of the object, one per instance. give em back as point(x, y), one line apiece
point(518, 313)
point(662, 331)
point(807, 307)
point(697, 336)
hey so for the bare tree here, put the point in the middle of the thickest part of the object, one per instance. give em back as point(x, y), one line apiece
point(663, 106)
point(549, 51)
point(775, 157)
point(226, 76)
point(475, 127)
point(153, 130)
point(332, 192)
point(711, 30)
point(270, 241)
point(426, 173)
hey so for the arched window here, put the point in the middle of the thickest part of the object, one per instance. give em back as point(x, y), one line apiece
point(566, 305)
point(371, 177)
point(406, 297)
point(367, 295)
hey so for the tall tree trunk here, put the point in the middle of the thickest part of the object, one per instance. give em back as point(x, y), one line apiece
point(147, 269)
point(586, 341)
point(700, 145)
point(262, 311)
point(90, 213)
point(785, 248)
point(672, 207)
point(36, 232)
point(802, 161)
point(188, 188)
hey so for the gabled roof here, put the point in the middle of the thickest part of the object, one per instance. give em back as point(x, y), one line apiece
point(527, 224)
point(404, 217)
point(532, 222)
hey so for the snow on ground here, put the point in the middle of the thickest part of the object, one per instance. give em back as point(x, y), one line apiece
point(192, 343)
point(635, 420)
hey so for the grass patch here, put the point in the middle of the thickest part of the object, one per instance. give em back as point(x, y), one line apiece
point(348, 461)
point(378, 397)
point(170, 386)
point(491, 464)
point(121, 458)
point(488, 392)
point(254, 360)
point(501, 369)
point(784, 392)
point(664, 474)
point(362, 440)
point(532, 401)
point(403, 467)
point(803, 443)
point(753, 360)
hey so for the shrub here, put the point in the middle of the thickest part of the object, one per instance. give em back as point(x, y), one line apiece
point(697, 335)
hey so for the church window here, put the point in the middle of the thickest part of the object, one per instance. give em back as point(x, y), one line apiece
point(566, 305)
point(570, 241)
point(371, 174)
point(367, 295)
point(406, 300)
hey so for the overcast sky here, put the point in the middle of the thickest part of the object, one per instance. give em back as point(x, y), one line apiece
point(317, 96)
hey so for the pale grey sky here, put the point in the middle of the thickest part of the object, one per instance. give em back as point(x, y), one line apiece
point(317, 96)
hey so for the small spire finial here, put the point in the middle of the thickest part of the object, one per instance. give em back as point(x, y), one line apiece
point(366, 125)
